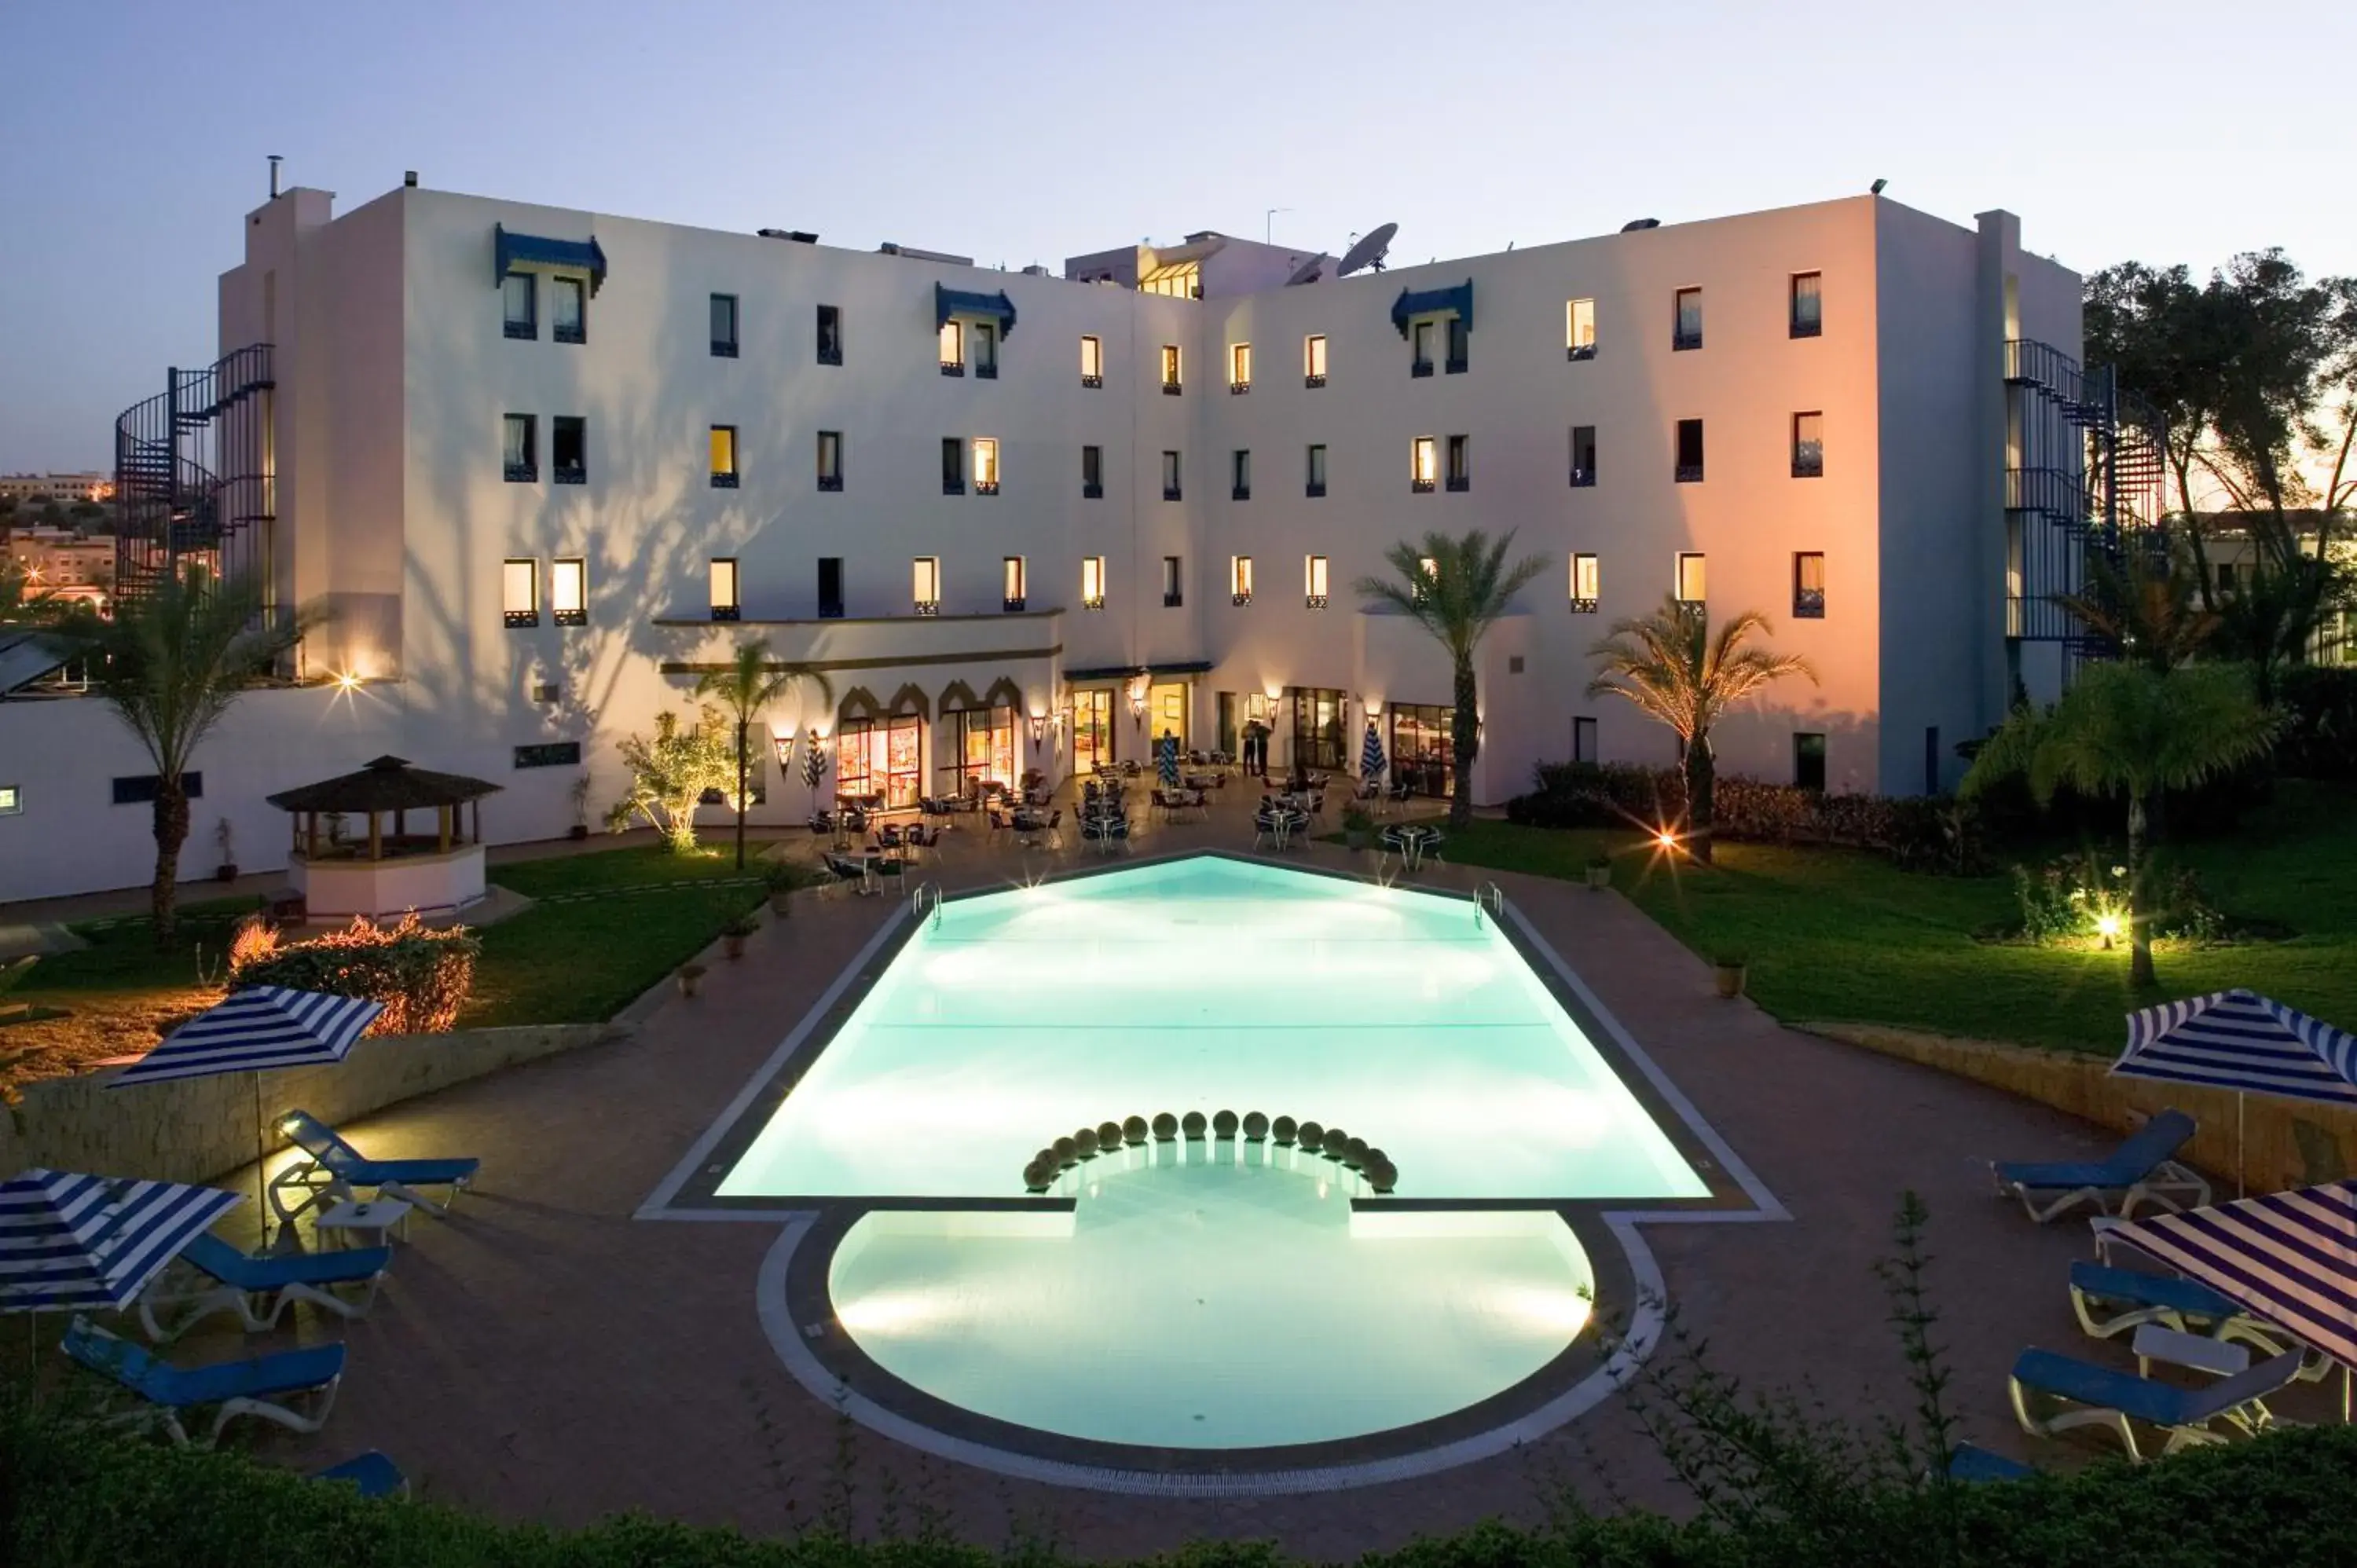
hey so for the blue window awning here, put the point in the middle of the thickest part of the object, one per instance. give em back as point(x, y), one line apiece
point(949, 302)
point(508, 250)
point(1434, 302)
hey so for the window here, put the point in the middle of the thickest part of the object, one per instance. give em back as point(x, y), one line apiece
point(569, 449)
point(830, 587)
point(1174, 593)
point(1586, 585)
point(568, 592)
point(1579, 329)
point(1092, 582)
point(953, 465)
point(12, 799)
point(520, 592)
point(1170, 476)
point(1092, 362)
point(952, 348)
point(519, 448)
point(925, 584)
point(1460, 460)
point(1808, 305)
point(520, 299)
point(986, 465)
point(720, 581)
point(724, 456)
point(986, 350)
point(1420, 360)
point(141, 789)
point(569, 311)
point(829, 335)
point(1460, 345)
point(1424, 465)
point(1808, 446)
point(1240, 367)
point(830, 459)
point(1809, 761)
point(1582, 740)
point(724, 326)
point(1170, 368)
point(1240, 486)
point(1583, 455)
point(1686, 330)
point(1240, 579)
point(549, 754)
point(1010, 584)
point(1316, 486)
point(1091, 473)
point(1690, 579)
point(1809, 585)
point(1313, 360)
point(1689, 468)
point(1313, 581)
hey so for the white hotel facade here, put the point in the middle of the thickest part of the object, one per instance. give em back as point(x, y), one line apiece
point(541, 465)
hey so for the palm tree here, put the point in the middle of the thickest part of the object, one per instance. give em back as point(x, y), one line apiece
point(1456, 588)
point(2138, 731)
point(2146, 601)
point(1674, 668)
point(170, 661)
point(744, 686)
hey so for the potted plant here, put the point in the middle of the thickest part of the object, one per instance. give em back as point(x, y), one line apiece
point(1731, 969)
point(780, 880)
point(733, 935)
point(1599, 872)
point(227, 870)
point(578, 793)
point(1356, 826)
point(690, 975)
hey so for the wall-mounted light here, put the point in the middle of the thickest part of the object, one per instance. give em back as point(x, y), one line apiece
point(1374, 706)
point(349, 680)
point(1038, 728)
point(781, 741)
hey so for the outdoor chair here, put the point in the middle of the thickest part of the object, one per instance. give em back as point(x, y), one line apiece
point(1270, 822)
point(2090, 1395)
point(332, 1169)
point(1105, 831)
point(854, 869)
point(1033, 831)
point(373, 1473)
point(2143, 1169)
point(258, 1386)
point(260, 1290)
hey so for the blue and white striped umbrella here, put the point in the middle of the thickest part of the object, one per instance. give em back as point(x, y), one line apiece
point(74, 1242)
point(1371, 762)
point(257, 1028)
point(1166, 760)
point(2241, 1040)
point(2289, 1257)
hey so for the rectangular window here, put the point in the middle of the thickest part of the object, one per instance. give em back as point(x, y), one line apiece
point(1092, 582)
point(720, 586)
point(569, 449)
point(1240, 486)
point(1170, 368)
point(724, 326)
point(1690, 578)
point(830, 459)
point(1808, 305)
point(1809, 761)
point(1240, 579)
point(519, 447)
point(986, 350)
point(520, 592)
point(952, 348)
point(1313, 581)
point(569, 311)
point(1313, 360)
point(1579, 329)
point(1809, 585)
point(1582, 740)
point(1240, 367)
point(520, 300)
point(1460, 345)
point(1091, 473)
point(1316, 486)
point(1010, 584)
point(1170, 476)
point(1424, 465)
point(986, 465)
point(829, 335)
point(1689, 466)
point(1420, 358)
point(549, 754)
point(1460, 463)
point(1686, 329)
point(568, 592)
point(12, 799)
point(1092, 361)
point(1587, 584)
point(724, 456)
point(1583, 455)
point(1808, 446)
point(141, 789)
point(1174, 587)
point(953, 465)
point(925, 584)
point(830, 587)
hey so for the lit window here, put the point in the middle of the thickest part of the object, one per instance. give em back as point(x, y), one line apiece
point(1011, 590)
point(1690, 578)
point(724, 456)
point(1240, 579)
point(569, 449)
point(830, 459)
point(1583, 455)
point(829, 335)
point(986, 465)
point(520, 592)
point(1170, 367)
point(1092, 362)
point(569, 311)
point(1685, 330)
point(1689, 464)
point(1579, 329)
point(1809, 584)
point(1313, 581)
point(1424, 465)
point(1091, 473)
point(952, 348)
point(1313, 360)
point(568, 592)
point(724, 326)
point(1587, 584)
point(1808, 446)
point(723, 583)
point(1092, 582)
point(12, 799)
point(953, 465)
point(925, 584)
point(519, 448)
point(1240, 486)
point(1170, 476)
point(1174, 594)
point(519, 299)
point(1460, 463)
point(1239, 367)
point(1808, 305)
point(1316, 482)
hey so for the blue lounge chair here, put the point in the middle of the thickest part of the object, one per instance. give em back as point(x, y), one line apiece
point(256, 1386)
point(260, 1290)
point(333, 1168)
point(375, 1475)
point(2142, 1169)
point(1970, 1463)
point(2090, 1395)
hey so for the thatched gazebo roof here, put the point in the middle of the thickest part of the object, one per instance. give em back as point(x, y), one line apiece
point(387, 784)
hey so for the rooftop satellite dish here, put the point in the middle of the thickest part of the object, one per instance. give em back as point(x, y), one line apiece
point(1369, 253)
point(1309, 270)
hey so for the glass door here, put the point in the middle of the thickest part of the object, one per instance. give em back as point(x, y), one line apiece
point(1424, 751)
point(981, 749)
point(1166, 708)
point(1318, 727)
point(1092, 728)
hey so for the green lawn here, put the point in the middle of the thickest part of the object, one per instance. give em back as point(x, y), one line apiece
point(1834, 935)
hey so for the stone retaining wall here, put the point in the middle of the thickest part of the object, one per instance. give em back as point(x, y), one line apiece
point(2286, 1142)
point(200, 1129)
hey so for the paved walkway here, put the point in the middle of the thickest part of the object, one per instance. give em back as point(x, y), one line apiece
point(542, 1355)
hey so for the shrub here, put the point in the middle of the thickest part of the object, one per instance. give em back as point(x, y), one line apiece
point(422, 976)
point(1310, 1136)
point(1166, 1127)
point(1283, 1130)
point(1255, 1127)
point(1084, 1143)
point(2063, 902)
point(1133, 1129)
point(1223, 1125)
point(2319, 707)
point(1193, 1124)
point(1109, 1136)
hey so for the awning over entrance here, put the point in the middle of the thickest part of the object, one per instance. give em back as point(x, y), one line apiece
point(949, 302)
point(1129, 671)
point(509, 248)
point(1433, 302)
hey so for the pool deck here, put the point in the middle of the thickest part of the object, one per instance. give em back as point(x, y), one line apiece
point(541, 1354)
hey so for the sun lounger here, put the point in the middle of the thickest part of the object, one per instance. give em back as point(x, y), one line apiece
point(258, 1386)
point(2090, 1395)
point(2142, 1169)
point(373, 1473)
point(1970, 1463)
point(260, 1290)
point(333, 1170)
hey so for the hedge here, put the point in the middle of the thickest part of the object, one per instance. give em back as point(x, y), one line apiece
point(72, 1495)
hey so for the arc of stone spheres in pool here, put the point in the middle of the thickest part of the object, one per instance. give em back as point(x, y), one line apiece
point(1088, 1143)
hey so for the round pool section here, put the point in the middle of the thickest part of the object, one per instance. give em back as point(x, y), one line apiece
point(1211, 1294)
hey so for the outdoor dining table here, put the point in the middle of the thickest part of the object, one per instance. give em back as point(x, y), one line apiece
point(1411, 840)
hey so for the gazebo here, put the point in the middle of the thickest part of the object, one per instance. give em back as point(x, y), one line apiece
point(387, 873)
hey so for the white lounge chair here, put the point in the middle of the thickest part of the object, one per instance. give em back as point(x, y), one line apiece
point(2143, 1169)
point(2088, 1395)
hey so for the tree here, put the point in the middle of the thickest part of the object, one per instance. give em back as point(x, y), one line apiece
point(670, 772)
point(170, 661)
point(743, 687)
point(2148, 601)
point(2135, 731)
point(1456, 588)
point(1675, 668)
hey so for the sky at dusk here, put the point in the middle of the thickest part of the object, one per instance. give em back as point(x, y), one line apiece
point(133, 135)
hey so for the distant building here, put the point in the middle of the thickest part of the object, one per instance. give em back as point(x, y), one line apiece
point(63, 561)
point(66, 488)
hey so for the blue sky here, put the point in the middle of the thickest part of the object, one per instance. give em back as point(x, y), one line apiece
point(133, 133)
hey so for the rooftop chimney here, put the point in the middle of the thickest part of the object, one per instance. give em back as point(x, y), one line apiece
point(275, 160)
point(409, 179)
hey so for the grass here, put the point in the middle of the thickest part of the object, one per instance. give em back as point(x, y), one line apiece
point(1839, 935)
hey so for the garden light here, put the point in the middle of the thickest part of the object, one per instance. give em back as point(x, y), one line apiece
point(349, 680)
point(1666, 839)
point(2107, 927)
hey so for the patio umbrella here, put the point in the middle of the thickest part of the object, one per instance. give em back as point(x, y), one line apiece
point(2290, 1257)
point(256, 1029)
point(71, 1242)
point(1371, 762)
point(2241, 1040)
point(1166, 760)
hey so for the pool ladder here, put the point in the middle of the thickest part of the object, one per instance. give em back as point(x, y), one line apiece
point(1488, 897)
point(927, 894)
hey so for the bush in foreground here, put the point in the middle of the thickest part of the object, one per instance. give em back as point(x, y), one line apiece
point(422, 977)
